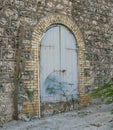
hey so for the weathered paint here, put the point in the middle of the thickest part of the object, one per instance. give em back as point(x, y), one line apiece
point(58, 65)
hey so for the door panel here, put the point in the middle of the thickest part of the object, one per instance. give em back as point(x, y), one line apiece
point(69, 62)
point(58, 65)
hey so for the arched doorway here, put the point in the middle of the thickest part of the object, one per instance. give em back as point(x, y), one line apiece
point(44, 25)
point(58, 65)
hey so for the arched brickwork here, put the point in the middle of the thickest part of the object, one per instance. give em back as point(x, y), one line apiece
point(36, 38)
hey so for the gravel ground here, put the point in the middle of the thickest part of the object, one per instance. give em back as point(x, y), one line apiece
point(95, 117)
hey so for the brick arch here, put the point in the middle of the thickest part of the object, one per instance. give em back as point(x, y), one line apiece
point(35, 42)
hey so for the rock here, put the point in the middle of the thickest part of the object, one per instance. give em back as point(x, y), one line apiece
point(24, 118)
point(94, 22)
point(96, 124)
point(59, 6)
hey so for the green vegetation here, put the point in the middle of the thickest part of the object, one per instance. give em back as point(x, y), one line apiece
point(105, 92)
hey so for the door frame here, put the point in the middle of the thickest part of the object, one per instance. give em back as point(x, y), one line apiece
point(39, 29)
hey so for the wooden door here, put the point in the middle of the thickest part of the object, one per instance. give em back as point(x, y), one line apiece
point(58, 65)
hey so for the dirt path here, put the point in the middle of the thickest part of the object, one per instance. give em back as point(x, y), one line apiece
point(96, 117)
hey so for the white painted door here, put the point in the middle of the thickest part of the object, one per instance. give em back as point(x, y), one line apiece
point(58, 65)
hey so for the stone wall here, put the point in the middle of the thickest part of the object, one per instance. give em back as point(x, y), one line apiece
point(95, 20)
point(15, 16)
point(17, 21)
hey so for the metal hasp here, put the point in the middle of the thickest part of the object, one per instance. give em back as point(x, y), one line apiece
point(58, 65)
